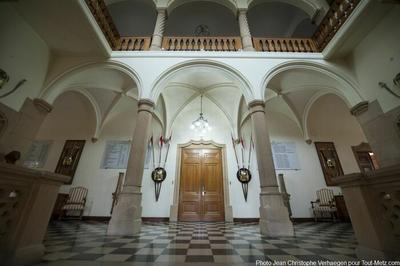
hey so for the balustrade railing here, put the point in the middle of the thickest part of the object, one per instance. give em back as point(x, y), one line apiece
point(338, 13)
point(104, 20)
point(226, 44)
point(285, 45)
point(134, 44)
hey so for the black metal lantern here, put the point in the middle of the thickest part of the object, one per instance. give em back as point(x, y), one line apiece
point(158, 175)
point(244, 177)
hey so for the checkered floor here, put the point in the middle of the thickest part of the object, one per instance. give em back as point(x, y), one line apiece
point(197, 242)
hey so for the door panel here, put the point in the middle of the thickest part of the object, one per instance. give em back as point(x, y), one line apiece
point(201, 188)
point(190, 207)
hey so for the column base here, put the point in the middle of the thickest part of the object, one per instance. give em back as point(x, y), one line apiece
point(173, 213)
point(249, 49)
point(274, 216)
point(127, 215)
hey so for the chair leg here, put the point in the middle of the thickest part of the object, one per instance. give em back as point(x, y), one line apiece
point(80, 216)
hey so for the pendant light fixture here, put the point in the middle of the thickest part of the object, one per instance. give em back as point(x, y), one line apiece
point(201, 124)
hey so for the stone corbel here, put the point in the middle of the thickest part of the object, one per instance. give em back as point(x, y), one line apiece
point(359, 108)
point(42, 105)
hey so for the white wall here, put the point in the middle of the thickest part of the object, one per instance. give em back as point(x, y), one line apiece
point(377, 58)
point(77, 123)
point(23, 55)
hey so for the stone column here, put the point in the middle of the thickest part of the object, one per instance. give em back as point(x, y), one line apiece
point(159, 30)
point(381, 130)
point(127, 215)
point(245, 31)
point(274, 215)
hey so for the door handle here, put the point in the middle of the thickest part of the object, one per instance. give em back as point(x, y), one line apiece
point(203, 191)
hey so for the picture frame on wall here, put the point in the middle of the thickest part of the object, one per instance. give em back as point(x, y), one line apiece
point(69, 158)
point(329, 160)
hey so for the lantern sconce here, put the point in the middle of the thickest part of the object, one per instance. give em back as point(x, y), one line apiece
point(396, 82)
point(4, 78)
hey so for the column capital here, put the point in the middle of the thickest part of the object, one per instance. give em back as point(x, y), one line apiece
point(146, 105)
point(359, 108)
point(256, 104)
point(42, 105)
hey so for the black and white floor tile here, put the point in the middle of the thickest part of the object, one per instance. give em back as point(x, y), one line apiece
point(176, 243)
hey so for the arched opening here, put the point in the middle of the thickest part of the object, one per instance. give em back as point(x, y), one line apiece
point(134, 17)
point(279, 20)
point(215, 90)
point(201, 18)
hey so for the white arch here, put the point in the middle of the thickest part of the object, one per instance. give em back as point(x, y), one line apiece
point(56, 87)
point(230, 4)
point(348, 89)
point(162, 80)
point(93, 104)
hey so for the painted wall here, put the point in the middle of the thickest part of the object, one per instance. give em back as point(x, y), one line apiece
point(23, 55)
point(377, 58)
point(77, 123)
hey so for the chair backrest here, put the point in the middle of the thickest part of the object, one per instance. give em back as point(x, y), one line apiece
point(77, 195)
point(325, 196)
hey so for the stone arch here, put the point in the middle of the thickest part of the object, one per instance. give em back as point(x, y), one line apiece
point(242, 83)
point(311, 7)
point(348, 88)
point(65, 80)
point(173, 4)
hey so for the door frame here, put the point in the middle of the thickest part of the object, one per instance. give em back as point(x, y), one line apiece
point(201, 144)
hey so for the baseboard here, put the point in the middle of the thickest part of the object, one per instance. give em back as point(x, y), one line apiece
point(155, 219)
point(246, 220)
point(96, 218)
point(302, 219)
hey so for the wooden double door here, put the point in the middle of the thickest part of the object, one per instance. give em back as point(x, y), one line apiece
point(201, 194)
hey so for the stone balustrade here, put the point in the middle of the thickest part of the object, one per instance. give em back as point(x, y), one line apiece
point(27, 198)
point(373, 202)
point(290, 45)
point(338, 13)
point(226, 44)
point(134, 44)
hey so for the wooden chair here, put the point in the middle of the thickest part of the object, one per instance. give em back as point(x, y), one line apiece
point(75, 201)
point(325, 204)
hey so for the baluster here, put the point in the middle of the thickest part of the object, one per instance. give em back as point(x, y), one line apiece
point(202, 44)
point(171, 45)
point(270, 46)
point(184, 44)
point(278, 47)
point(179, 44)
point(290, 46)
point(213, 46)
point(196, 44)
point(231, 45)
point(301, 45)
point(307, 45)
point(224, 45)
point(296, 46)
point(192, 44)
point(284, 45)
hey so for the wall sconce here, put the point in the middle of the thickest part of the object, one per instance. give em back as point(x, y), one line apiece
point(396, 82)
point(4, 78)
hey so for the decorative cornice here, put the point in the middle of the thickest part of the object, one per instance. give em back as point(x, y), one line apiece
point(42, 105)
point(359, 108)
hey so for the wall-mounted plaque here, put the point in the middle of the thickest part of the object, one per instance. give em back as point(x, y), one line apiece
point(116, 155)
point(69, 158)
point(37, 154)
point(285, 155)
point(329, 160)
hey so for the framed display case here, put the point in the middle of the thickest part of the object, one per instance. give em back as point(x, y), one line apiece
point(329, 160)
point(69, 158)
